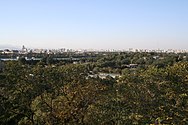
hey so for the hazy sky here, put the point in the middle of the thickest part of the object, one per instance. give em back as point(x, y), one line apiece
point(98, 24)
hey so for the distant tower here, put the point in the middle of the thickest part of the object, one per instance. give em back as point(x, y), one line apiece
point(24, 50)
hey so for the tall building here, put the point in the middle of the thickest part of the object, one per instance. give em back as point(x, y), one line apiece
point(24, 50)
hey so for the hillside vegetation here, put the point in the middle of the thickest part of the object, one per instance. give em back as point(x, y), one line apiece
point(154, 92)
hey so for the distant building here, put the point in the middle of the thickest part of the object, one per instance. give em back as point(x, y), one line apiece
point(24, 50)
point(7, 51)
point(132, 65)
point(156, 57)
point(1, 51)
point(104, 75)
point(15, 51)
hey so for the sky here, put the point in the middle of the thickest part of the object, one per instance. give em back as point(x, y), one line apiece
point(94, 24)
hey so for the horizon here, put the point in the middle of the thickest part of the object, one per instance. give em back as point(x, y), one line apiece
point(11, 47)
point(83, 24)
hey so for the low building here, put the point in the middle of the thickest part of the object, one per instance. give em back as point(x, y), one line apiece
point(1, 51)
point(104, 75)
point(7, 51)
point(133, 65)
point(15, 51)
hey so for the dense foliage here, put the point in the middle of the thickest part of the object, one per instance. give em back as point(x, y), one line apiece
point(155, 92)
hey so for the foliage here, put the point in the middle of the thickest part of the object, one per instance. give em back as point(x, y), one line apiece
point(48, 93)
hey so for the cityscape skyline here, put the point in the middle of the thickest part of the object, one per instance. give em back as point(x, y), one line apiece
point(25, 50)
point(83, 24)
